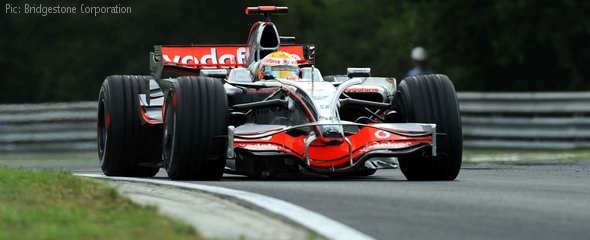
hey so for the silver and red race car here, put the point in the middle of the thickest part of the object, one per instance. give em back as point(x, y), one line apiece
point(202, 112)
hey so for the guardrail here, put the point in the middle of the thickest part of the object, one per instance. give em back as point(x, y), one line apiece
point(490, 120)
point(47, 128)
point(552, 120)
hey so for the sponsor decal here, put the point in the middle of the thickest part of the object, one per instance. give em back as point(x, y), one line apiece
point(387, 145)
point(205, 55)
point(215, 56)
point(382, 134)
point(273, 61)
point(362, 89)
point(259, 146)
point(281, 61)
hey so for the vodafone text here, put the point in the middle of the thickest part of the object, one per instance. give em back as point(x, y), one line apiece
point(212, 58)
point(208, 56)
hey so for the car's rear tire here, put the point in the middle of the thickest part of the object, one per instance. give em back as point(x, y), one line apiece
point(195, 126)
point(432, 99)
point(124, 142)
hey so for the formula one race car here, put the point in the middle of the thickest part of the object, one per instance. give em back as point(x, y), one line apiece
point(210, 109)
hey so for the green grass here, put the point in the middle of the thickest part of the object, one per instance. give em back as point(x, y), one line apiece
point(57, 205)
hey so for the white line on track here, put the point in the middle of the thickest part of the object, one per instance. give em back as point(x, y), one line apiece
point(316, 222)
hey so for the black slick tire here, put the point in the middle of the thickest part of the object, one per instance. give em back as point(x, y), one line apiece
point(432, 99)
point(195, 129)
point(124, 141)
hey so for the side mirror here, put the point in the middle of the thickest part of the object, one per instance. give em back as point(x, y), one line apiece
point(358, 72)
point(214, 73)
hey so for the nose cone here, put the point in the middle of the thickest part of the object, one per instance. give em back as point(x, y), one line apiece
point(332, 135)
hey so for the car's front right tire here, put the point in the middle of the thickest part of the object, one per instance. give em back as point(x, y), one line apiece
point(124, 142)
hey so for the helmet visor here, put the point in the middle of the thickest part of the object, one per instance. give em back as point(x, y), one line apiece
point(281, 71)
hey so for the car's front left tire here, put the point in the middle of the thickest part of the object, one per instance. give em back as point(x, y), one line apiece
point(432, 99)
point(195, 129)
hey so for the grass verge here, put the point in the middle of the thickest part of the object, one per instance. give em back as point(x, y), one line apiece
point(47, 204)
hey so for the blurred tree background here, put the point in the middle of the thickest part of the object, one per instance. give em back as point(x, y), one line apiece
point(485, 45)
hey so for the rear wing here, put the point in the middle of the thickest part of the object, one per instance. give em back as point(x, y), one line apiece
point(190, 59)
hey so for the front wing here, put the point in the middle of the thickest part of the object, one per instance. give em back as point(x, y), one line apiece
point(364, 142)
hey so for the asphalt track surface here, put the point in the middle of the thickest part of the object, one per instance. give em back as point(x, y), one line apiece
point(487, 201)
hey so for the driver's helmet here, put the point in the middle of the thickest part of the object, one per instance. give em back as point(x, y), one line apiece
point(278, 65)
